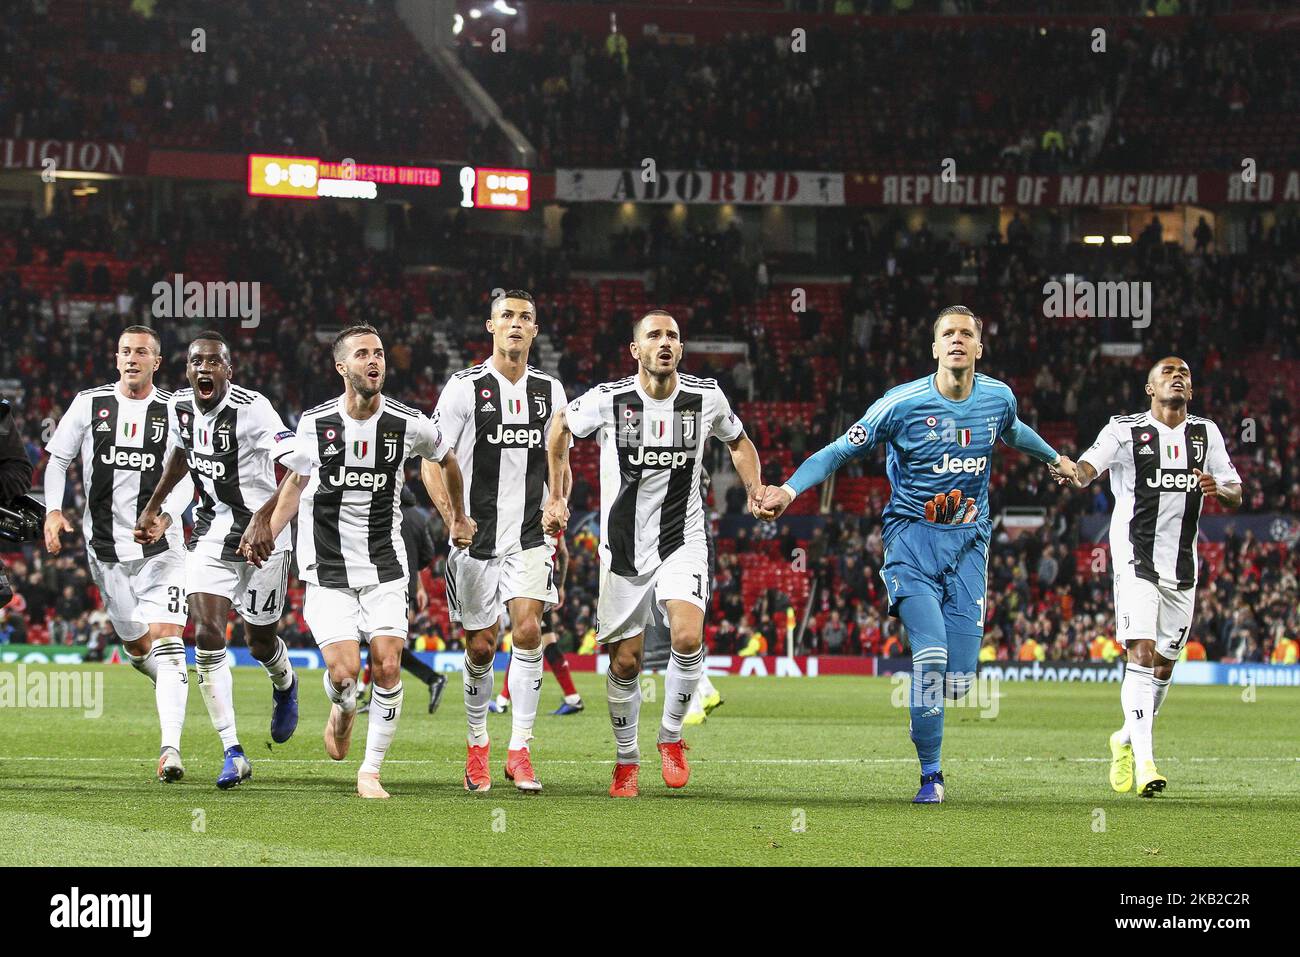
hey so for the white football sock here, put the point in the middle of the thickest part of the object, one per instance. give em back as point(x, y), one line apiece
point(144, 664)
point(679, 687)
point(279, 669)
point(171, 688)
point(1137, 697)
point(345, 697)
point(624, 696)
point(385, 710)
point(478, 692)
point(525, 682)
point(216, 684)
point(1160, 688)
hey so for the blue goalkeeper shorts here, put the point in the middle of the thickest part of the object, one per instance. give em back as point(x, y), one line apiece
point(947, 562)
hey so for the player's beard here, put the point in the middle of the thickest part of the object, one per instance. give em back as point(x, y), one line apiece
point(362, 387)
point(650, 366)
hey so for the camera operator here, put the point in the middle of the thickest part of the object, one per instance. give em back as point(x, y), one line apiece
point(15, 481)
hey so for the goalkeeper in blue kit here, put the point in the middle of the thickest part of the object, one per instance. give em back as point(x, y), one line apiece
point(939, 432)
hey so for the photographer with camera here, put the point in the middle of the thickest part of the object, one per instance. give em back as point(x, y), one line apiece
point(19, 515)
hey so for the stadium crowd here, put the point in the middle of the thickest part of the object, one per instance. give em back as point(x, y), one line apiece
point(1042, 601)
point(336, 78)
point(749, 102)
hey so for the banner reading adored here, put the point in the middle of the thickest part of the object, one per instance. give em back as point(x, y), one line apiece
point(636, 185)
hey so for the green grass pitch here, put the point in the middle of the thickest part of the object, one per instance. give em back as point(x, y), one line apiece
point(788, 771)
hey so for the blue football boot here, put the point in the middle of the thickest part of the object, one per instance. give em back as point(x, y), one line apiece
point(235, 769)
point(931, 789)
point(284, 713)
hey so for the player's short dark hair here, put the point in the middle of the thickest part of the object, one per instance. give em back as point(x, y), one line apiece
point(361, 329)
point(637, 326)
point(143, 331)
point(212, 335)
point(947, 311)
point(523, 294)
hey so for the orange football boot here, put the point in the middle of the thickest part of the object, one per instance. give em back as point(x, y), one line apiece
point(476, 768)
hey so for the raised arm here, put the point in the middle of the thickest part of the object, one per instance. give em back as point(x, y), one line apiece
point(744, 456)
point(151, 524)
point(431, 476)
point(462, 527)
point(258, 541)
point(818, 467)
point(1229, 493)
point(63, 447)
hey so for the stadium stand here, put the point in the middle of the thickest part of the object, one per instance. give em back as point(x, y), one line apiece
point(86, 269)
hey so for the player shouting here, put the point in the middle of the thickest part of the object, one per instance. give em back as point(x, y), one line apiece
point(939, 432)
point(228, 439)
point(1163, 464)
point(346, 473)
point(652, 429)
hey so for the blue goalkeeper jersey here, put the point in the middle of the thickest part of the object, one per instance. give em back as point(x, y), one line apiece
point(934, 445)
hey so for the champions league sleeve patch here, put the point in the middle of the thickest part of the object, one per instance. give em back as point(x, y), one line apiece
point(286, 434)
point(857, 435)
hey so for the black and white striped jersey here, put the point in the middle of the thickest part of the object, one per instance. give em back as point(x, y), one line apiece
point(350, 515)
point(123, 445)
point(498, 430)
point(231, 451)
point(1157, 496)
point(650, 465)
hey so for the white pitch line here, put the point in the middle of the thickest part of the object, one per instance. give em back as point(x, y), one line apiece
point(80, 759)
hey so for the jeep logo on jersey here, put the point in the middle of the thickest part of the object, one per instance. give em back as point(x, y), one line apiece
point(212, 468)
point(129, 459)
point(522, 438)
point(1168, 481)
point(345, 478)
point(953, 465)
point(659, 458)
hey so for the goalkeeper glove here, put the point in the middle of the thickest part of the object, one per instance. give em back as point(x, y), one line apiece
point(950, 509)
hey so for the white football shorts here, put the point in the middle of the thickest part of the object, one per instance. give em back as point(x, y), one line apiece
point(142, 592)
point(623, 608)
